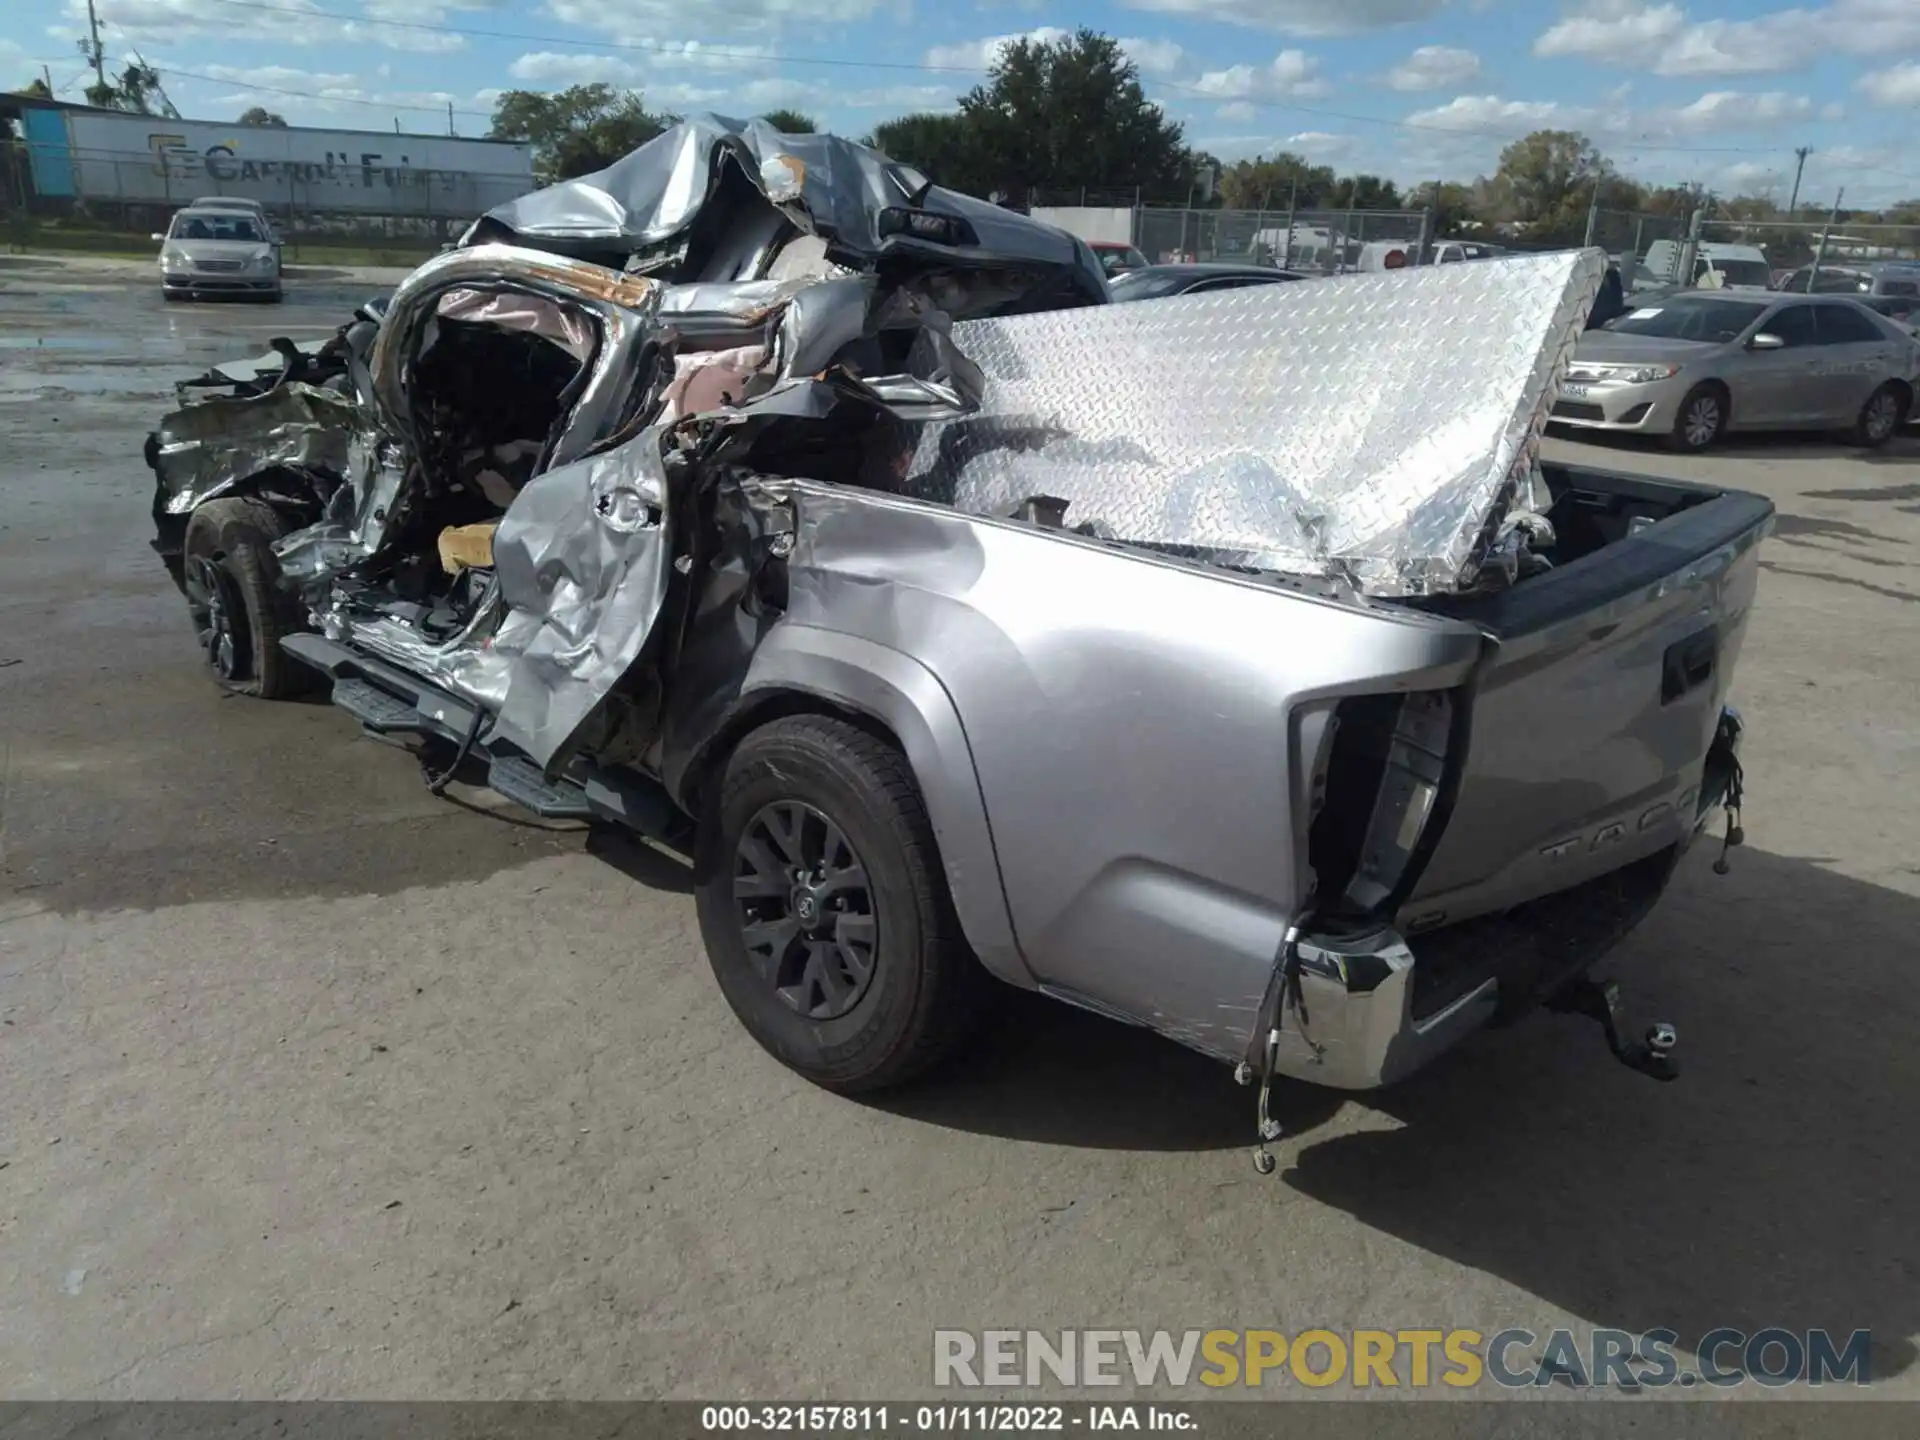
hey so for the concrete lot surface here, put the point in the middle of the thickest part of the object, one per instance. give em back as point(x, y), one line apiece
point(316, 1085)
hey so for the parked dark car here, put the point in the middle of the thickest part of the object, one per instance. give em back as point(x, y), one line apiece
point(1157, 282)
point(1117, 259)
point(1896, 277)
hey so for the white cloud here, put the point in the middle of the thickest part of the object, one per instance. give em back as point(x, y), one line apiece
point(1292, 74)
point(1320, 145)
point(319, 97)
point(1311, 18)
point(720, 91)
point(1490, 112)
point(1665, 39)
point(1615, 125)
point(292, 23)
point(1435, 67)
point(624, 19)
point(1739, 110)
point(1316, 145)
point(1236, 112)
point(1895, 86)
point(1155, 57)
point(547, 67)
point(544, 67)
point(983, 54)
point(282, 77)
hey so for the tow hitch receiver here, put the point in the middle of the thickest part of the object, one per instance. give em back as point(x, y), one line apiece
point(1600, 1000)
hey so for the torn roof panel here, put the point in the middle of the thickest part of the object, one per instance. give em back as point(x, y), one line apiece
point(656, 194)
point(1374, 428)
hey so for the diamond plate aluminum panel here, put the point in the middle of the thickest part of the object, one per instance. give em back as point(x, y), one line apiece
point(1372, 428)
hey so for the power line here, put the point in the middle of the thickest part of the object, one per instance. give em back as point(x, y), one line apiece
point(636, 47)
point(658, 47)
point(249, 86)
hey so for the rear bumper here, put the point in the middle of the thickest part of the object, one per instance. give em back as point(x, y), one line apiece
point(1380, 1006)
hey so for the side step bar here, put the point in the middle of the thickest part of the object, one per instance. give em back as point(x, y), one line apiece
point(388, 701)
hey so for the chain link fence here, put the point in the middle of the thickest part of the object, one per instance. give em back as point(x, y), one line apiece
point(1794, 244)
point(1324, 242)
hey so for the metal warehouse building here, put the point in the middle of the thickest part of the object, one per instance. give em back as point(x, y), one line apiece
point(68, 155)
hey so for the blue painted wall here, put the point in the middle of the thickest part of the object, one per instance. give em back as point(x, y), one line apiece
point(48, 152)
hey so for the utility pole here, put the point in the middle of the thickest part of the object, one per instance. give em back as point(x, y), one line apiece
point(1593, 214)
point(1833, 218)
point(95, 53)
point(46, 74)
point(1800, 165)
point(450, 129)
point(1689, 248)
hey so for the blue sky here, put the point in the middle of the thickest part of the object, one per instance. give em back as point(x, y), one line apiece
point(1719, 91)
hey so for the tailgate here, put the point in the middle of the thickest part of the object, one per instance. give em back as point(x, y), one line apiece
point(1592, 716)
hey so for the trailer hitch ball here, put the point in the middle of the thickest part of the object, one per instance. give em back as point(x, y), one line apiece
point(1600, 1000)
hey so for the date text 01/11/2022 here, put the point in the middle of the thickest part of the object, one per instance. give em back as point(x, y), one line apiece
point(937, 1419)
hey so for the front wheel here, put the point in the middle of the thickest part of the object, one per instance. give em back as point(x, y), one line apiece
point(1883, 415)
point(824, 911)
point(239, 611)
point(1702, 419)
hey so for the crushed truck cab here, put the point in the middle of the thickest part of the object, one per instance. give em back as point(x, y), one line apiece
point(1228, 665)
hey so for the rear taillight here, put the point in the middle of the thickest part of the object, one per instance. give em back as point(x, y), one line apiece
point(1382, 785)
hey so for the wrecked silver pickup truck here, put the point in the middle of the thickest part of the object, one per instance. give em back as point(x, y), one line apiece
point(1227, 665)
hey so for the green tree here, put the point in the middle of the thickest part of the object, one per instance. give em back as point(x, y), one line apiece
point(135, 89)
point(1370, 192)
point(36, 88)
point(578, 130)
point(940, 146)
point(1069, 115)
point(1274, 184)
point(260, 115)
point(1547, 182)
point(1454, 209)
point(791, 122)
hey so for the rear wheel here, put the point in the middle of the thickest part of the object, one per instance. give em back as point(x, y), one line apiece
point(824, 911)
point(239, 611)
point(1702, 418)
point(1881, 417)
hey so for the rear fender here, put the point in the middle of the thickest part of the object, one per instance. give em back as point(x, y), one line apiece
point(849, 673)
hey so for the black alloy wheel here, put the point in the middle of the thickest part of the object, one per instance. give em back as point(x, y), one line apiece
point(807, 913)
point(220, 622)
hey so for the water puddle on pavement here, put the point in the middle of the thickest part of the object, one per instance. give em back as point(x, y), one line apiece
point(22, 384)
point(160, 347)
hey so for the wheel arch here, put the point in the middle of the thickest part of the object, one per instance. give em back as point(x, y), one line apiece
point(290, 491)
point(800, 670)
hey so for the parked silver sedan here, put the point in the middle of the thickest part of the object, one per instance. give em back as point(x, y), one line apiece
point(1695, 364)
point(218, 252)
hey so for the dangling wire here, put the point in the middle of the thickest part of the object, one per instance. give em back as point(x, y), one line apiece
point(436, 784)
point(1735, 834)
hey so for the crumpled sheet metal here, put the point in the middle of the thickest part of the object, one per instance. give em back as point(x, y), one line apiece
point(530, 314)
point(655, 193)
point(1371, 428)
point(582, 557)
point(206, 446)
